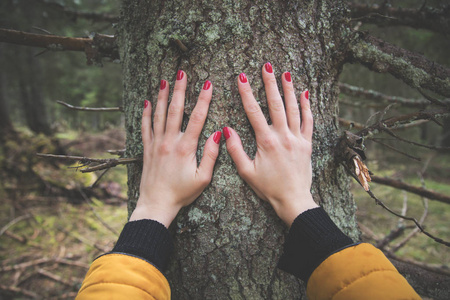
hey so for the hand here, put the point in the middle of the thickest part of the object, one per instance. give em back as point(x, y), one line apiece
point(281, 171)
point(170, 176)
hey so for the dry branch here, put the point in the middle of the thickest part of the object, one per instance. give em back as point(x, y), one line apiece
point(430, 18)
point(83, 108)
point(359, 92)
point(412, 68)
point(412, 189)
point(43, 261)
point(95, 48)
point(101, 163)
point(395, 122)
point(429, 267)
point(14, 289)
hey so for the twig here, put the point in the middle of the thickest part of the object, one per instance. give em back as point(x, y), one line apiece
point(395, 149)
point(379, 202)
point(55, 277)
point(412, 189)
point(429, 267)
point(433, 100)
point(101, 109)
point(43, 261)
point(11, 223)
point(415, 143)
point(88, 201)
point(103, 163)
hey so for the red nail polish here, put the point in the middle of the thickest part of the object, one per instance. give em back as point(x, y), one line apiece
point(217, 137)
point(242, 78)
point(287, 76)
point(180, 75)
point(146, 102)
point(307, 95)
point(163, 84)
point(207, 85)
point(226, 133)
point(268, 66)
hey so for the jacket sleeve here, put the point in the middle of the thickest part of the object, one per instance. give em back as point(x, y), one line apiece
point(334, 267)
point(132, 270)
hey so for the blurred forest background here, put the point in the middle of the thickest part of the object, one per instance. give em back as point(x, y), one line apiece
point(54, 220)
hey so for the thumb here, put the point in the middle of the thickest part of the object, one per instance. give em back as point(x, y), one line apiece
point(236, 151)
point(210, 153)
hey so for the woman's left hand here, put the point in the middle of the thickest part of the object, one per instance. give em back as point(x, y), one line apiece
point(171, 177)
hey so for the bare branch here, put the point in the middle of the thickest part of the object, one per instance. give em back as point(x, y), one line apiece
point(433, 268)
point(101, 109)
point(98, 46)
point(396, 150)
point(356, 91)
point(414, 69)
point(16, 220)
point(18, 290)
point(412, 189)
point(395, 122)
point(379, 202)
point(434, 19)
point(74, 14)
point(102, 163)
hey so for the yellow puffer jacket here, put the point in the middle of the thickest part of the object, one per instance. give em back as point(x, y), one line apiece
point(357, 272)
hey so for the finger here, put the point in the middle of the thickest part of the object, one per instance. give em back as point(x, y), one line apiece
point(251, 107)
point(276, 106)
point(307, 117)
point(146, 125)
point(176, 107)
point(210, 153)
point(198, 116)
point(292, 111)
point(159, 119)
point(234, 147)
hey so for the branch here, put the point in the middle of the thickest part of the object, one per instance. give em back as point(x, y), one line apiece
point(101, 109)
point(412, 189)
point(429, 267)
point(101, 163)
point(395, 122)
point(98, 46)
point(429, 18)
point(359, 92)
point(75, 14)
point(414, 69)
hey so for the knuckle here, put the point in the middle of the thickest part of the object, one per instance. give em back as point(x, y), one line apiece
point(268, 142)
point(253, 109)
point(197, 117)
point(276, 105)
point(164, 148)
point(174, 110)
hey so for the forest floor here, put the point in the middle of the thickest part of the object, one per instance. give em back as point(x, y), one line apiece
point(50, 231)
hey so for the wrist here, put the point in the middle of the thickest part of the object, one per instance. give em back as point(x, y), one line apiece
point(290, 209)
point(164, 214)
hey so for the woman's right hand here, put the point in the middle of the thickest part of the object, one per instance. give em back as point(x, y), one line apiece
point(281, 171)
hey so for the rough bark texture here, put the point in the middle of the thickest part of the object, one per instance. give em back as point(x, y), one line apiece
point(228, 242)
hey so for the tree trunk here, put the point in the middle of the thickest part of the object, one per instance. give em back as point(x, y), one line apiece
point(6, 126)
point(228, 242)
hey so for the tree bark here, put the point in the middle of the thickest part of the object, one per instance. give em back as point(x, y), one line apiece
point(228, 242)
point(6, 126)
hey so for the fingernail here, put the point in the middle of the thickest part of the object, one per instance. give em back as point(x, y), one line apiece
point(287, 76)
point(163, 84)
point(242, 78)
point(268, 66)
point(307, 95)
point(207, 85)
point(180, 75)
point(226, 133)
point(217, 137)
point(146, 102)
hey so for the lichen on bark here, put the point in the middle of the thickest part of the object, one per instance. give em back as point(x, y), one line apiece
point(228, 242)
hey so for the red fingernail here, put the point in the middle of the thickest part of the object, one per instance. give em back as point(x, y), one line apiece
point(162, 85)
point(268, 66)
point(146, 103)
point(180, 75)
point(287, 76)
point(243, 78)
point(307, 95)
point(207, 85)
point(217, 137)
point(226, 133)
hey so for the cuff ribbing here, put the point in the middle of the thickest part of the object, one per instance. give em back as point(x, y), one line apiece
point(312, 237)
point(147, 239)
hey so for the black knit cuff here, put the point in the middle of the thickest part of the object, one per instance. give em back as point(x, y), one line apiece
point(312, 238)
point(147, 239)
